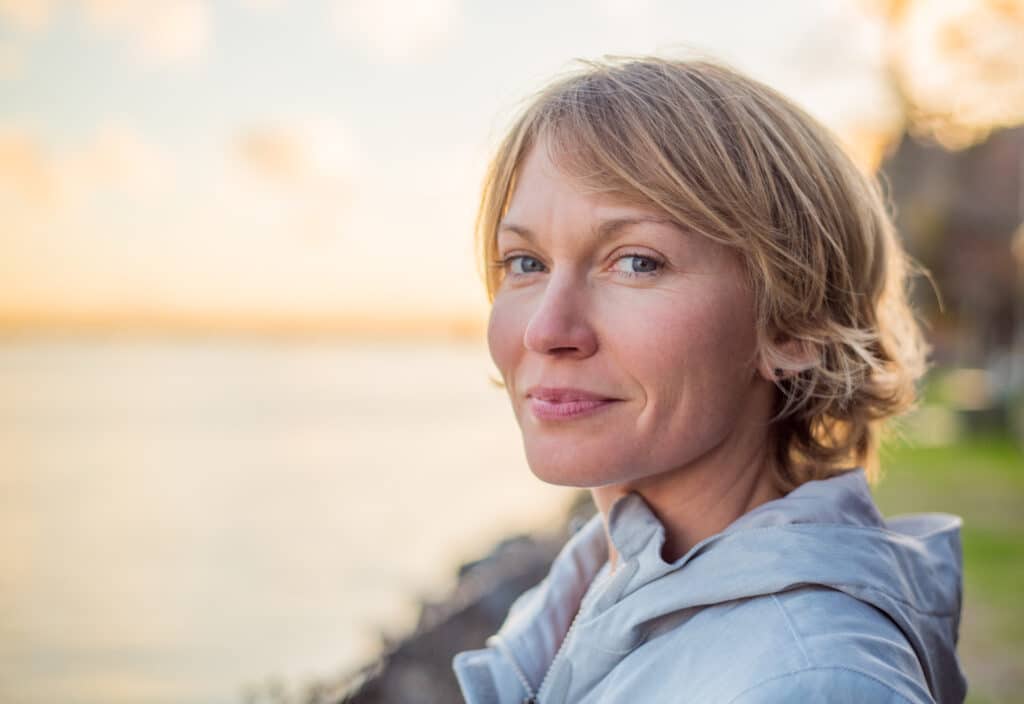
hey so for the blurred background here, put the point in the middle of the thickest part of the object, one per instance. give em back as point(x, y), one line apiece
point(245, 411)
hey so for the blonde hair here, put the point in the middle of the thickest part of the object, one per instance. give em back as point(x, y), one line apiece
point(733, 159)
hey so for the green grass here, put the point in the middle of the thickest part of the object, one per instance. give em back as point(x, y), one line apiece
point(980, 479)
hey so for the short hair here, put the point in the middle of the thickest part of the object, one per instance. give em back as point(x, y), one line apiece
point(731, 158)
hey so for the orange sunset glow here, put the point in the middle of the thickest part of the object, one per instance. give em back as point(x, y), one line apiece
point(278, 166)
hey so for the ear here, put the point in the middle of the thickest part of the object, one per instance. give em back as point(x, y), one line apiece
point(785, 358)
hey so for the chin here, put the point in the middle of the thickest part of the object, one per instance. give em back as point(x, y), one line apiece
point(575, 471)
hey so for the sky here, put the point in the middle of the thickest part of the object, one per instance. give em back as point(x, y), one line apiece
point(321, 159)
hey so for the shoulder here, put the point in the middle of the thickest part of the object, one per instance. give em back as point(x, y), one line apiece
point(833, 684)
point(811, 639)
point(811, 626)
point(834, 629)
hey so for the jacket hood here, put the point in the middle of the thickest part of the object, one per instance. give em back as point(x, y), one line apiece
point(825, 532)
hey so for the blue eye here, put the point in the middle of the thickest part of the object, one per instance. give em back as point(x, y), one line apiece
point(523, 264)
point(636, 265)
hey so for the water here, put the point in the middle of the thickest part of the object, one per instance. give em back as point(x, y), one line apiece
point(181, 519)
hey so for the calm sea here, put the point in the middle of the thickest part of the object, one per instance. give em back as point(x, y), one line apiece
point(182, 520)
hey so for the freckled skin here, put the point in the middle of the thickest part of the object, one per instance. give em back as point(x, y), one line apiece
point(676, 347)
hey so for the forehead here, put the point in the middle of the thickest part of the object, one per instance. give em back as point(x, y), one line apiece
point(543, 187)
point(550, 205)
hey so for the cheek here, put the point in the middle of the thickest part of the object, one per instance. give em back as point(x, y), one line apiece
point(504, 336)
point(693, 349)
point(653, 349)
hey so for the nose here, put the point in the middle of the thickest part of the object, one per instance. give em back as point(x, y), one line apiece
point(560, 323)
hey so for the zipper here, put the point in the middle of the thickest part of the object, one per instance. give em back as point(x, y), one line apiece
point(531, 698)
point(592, 592)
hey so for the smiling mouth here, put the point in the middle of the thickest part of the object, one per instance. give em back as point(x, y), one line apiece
point(549, 404)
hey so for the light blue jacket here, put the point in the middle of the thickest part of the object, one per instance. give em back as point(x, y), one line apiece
point(813, 597)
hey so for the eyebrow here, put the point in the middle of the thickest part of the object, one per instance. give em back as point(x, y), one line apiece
point(606, 229)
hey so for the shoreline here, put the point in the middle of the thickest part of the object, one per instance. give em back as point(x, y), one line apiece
point(417, 666)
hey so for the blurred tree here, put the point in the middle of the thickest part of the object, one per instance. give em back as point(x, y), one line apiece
point(958, 213)
point(957, 69)
point(956, 65)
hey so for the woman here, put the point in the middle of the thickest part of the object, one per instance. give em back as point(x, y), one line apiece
point(699, 313)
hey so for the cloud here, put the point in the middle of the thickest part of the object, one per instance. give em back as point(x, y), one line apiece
point(272, 153)
point(162, 31)
point(35, 181)
point(297, 151)
point(83, 221)
point(396, 30)
point(27, 177)
point(288, 218)
point(175, 31)
point(117, 158)
point(294, 176)
point(31, 15)
point(108, 14)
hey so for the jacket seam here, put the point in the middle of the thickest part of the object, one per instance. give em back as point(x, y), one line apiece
point(796, 528)
point(909, 604)
point(881, 528)
point(840, 668)
point(792, 630)
point(792, 528)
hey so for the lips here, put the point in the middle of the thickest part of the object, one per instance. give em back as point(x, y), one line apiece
point(551, 403)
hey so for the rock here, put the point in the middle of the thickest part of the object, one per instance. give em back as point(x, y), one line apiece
point(417, 669)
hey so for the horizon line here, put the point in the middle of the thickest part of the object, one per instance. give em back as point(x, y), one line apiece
point(388, 326)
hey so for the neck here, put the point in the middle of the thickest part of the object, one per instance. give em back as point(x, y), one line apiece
point(699, 500)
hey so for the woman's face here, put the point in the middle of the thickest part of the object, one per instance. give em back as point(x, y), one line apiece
point(627, 345)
